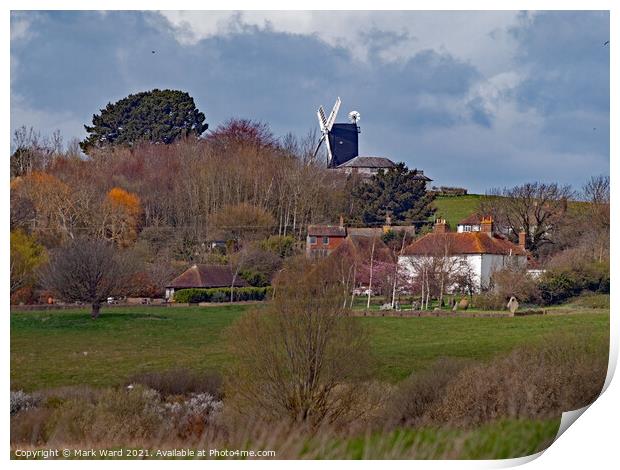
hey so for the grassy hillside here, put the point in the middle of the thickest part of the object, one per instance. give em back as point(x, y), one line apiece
point(51, 349)
point(456, 208)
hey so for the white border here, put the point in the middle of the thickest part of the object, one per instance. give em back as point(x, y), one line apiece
point(591, 442)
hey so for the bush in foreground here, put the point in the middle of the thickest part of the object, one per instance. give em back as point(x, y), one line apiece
point(179, 382)
point(302, 359)
point(532, 382)
point(506, 407)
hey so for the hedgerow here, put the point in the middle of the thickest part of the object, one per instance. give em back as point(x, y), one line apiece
point(221, 294)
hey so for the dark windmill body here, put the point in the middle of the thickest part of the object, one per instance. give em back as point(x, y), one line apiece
point(343, 142)
point(341, 139)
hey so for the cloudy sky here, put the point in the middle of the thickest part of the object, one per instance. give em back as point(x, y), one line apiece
point(475, 99)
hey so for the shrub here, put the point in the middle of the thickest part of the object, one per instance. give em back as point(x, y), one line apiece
point(283, 246)
point(254, 278)
point(488, 301)
point(539, 381)
point(116, 416)
point(22, 401)
point(515, 282)
point(180, 382)
point(302, 359)
point(191, 417)
point(121, 416)
point(416, 394)
point(30, 426)
point(221, 294)
point(568, 280)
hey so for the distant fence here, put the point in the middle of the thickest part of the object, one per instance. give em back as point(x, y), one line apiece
point(26, 308)
point(444, 313)
point(45, 307)
point(356, 313)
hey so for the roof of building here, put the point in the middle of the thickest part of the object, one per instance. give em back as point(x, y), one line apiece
point(368, 232)
point(368, 162)
point(471, 219)
point(421, 176)
point(379, 231)
point(463, 243)
point(206, 276)
point(327, 231)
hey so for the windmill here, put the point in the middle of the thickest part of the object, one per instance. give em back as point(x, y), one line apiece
point(326, 124)
point(341, 139)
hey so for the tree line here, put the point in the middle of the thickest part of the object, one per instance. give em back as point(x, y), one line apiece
point(155, 187)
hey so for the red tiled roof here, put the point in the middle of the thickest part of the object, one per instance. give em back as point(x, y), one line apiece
point(365, 231)
point(327, 231)
point(472, 219)
point(378, 231)
point(463, 243)
point(205, 276)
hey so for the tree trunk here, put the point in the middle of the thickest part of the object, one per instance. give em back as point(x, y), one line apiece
point(94, 313)
point(422, 299)
point(402, 248)
point(372, 257)
point(353, 290)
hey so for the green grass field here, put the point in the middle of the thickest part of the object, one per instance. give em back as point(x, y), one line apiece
point(66, 347)
point(456, 208)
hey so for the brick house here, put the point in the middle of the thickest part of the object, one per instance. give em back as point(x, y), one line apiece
point(324, 239)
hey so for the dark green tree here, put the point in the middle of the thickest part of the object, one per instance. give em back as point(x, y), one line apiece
point(395, 192)
point(159, 116)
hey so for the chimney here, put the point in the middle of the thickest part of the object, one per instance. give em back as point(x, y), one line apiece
point(522, 239)
point(486, 226)
point(341, 222)
point(440, 226)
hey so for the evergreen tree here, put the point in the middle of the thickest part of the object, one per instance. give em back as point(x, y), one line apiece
point(158, 116)
point(394, 192)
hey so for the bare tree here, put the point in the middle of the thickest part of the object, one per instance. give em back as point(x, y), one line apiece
point(440, 271)
point(596, 192)
point(372, 259)
point(86, 270)
point(535, 208)
point(396, 274)
point(301, 359)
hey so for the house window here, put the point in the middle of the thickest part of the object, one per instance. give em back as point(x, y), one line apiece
point(325, 240)
point(312, 240)
point(466, 228)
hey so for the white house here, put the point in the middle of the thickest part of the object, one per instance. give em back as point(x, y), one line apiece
point(469, 224)
point(474, 253)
